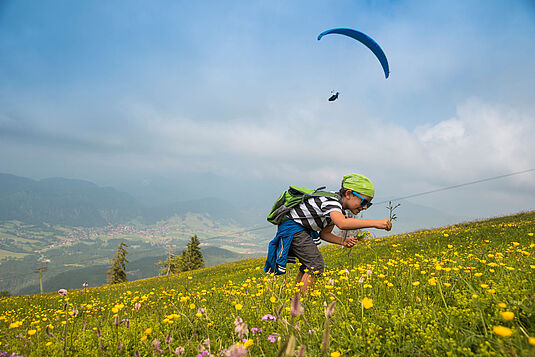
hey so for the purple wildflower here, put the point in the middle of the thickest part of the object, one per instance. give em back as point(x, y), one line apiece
point(272, 338)
point(268, 317)
point(256, 330)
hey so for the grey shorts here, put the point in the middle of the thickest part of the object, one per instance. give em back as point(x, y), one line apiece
point(304, 249)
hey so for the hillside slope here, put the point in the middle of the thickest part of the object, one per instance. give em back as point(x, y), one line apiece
point(463, 290)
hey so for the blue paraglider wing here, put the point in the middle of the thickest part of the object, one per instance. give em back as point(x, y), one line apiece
point(366, 40)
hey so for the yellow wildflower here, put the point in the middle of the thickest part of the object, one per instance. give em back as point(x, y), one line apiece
point(502, 331)
point(238, 307)
point(508, 315)
point(531, 341)
point(148, 331)
point(15, 324)
point(367, 303)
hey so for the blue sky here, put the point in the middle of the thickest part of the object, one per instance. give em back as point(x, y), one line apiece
point(214, 95)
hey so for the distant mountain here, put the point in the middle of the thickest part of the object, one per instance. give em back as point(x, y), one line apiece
point(63, 201)
point(72, 202)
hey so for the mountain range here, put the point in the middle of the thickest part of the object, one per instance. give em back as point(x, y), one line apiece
point(73, 202)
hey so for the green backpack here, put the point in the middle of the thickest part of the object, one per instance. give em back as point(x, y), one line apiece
point(291, 198)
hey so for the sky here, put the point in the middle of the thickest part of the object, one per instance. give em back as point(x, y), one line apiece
point(183, 99)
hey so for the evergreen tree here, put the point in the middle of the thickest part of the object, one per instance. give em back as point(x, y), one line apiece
point(195, 258)
point(116, 272)
point(184, 260)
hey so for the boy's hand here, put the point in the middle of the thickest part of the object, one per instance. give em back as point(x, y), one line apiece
point(349, 242)
point(384, 224)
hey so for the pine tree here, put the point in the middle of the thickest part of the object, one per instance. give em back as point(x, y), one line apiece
point(195, 258)
point(116, 272)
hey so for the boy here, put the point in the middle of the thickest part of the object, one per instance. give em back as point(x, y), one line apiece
point(298, 236)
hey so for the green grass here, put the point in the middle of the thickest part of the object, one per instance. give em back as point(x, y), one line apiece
point(8, 254)
point(462, 290)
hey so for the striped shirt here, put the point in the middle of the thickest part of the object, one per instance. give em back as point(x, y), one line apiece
point(313, 213)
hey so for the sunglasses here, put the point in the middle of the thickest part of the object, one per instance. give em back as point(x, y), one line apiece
point(364, 201)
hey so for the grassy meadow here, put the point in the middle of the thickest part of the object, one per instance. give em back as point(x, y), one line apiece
point(462, 290)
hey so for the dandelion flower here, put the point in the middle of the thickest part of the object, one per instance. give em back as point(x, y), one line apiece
point(367, 303)
point(15, 324)
point(416, 283)
point(502, 331)
point(335, 354)
point(32, 332)
point(508, 315)
point(148, 331)
point(238, 307)
point(502, 305)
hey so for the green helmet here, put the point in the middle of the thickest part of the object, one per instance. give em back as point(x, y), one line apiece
point(358, 183)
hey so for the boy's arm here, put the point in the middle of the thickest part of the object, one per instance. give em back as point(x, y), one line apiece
point(345, 223)
point(327, 235)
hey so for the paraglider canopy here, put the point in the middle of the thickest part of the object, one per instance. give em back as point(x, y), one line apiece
point(364, 39)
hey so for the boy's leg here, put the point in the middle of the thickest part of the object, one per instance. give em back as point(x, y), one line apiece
point(308, 281)
point(311, 260)
point(298, 277)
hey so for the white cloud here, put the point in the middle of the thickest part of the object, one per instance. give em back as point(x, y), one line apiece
point(482, 140)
